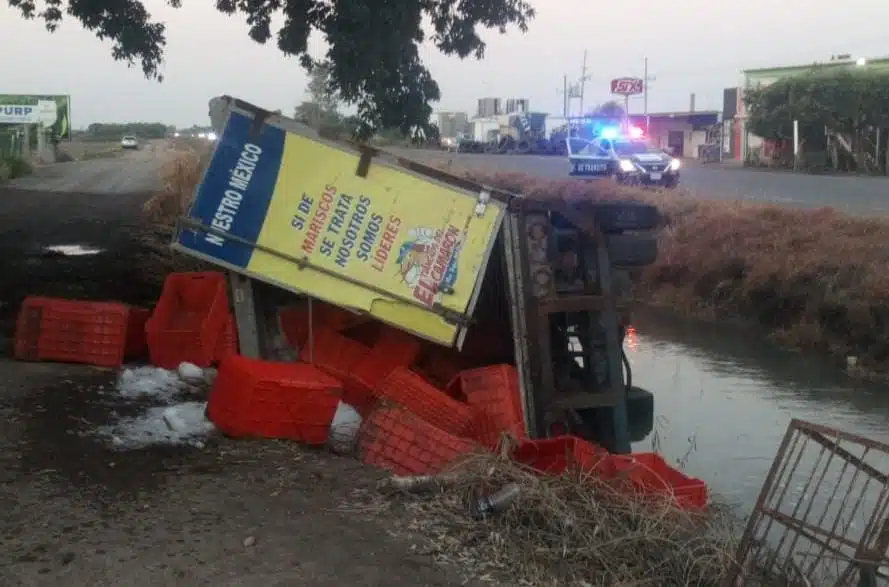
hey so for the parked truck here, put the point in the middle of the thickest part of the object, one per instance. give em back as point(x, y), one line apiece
point(437, 256)
point(522, 133)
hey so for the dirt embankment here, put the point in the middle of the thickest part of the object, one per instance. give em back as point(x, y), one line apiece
point(815, 279)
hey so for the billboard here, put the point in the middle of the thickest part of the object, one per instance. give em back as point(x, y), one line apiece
point(290, 210)
point(53, 112)
point(627, 86)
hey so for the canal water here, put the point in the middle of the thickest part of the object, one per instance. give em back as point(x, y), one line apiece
point(724, 397)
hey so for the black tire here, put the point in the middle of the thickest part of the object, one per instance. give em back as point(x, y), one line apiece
point(616, 217)
point(522, 148)
point(640, 413)
point(640, 417)
point(631, 250)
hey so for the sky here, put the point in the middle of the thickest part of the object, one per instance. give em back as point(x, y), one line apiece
point(693, 46)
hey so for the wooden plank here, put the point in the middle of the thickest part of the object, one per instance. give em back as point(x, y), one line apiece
point(244, 305)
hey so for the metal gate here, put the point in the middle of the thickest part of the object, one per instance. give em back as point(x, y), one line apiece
point(822, 517)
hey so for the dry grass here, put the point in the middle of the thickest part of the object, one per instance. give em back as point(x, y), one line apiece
point(181, 174)
point(565, 530)
point(815, 279)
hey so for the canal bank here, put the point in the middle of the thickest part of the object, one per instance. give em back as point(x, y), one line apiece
point(814, 279)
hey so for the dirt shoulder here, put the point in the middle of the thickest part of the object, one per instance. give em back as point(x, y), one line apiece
point(82, 513)
point(79, 512)
point(131, 172)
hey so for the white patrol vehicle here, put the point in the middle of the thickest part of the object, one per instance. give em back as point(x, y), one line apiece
point(628, 157)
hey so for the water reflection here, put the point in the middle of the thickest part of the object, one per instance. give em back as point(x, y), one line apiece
point(724, 398)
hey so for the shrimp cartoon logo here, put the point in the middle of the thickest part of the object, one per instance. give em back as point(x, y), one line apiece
point(427, 262)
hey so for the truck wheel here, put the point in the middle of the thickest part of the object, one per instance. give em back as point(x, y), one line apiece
point(640, 417)
point(615, 217)
point(640, 413)
point(631, 250)
point(523, 147)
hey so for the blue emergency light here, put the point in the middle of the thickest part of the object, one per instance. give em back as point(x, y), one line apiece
point(608, 132)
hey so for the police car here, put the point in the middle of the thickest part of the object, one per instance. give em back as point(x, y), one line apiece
point(628, 157)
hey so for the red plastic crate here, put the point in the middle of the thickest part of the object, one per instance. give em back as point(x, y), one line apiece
point(493, 391)
point(397, 440)
point(188, 320)
point(555, 456)
point(294, 321)
point(51, 329)
point(228, 342)
point(392, 349)
point(137, 340)
point(650, 474)
point(439, 366)
point(410, 391)
point(254, 398)
point(337, 355)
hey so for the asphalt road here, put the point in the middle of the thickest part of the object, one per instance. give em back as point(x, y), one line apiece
point(131, 172)
point(862, 196)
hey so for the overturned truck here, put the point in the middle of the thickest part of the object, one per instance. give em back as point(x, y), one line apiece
point(289, 214)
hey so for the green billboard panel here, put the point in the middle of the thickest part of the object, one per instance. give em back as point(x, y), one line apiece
point(53, 112)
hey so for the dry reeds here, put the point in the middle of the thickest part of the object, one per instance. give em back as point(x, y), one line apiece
point(568, 530)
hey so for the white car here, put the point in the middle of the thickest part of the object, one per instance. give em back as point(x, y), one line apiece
point(129, 143)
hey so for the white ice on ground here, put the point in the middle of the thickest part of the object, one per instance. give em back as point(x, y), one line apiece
point(169, 422)
point(74, 250)
point(344, 429)
point(190, 372)
point(179, 424)
point(147, 382)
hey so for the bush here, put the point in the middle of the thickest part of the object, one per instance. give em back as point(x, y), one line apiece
point(18, 166)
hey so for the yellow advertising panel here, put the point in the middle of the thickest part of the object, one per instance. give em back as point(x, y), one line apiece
point(406, 250)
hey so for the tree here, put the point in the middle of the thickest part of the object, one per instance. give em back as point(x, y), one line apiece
point(373, 46)
point(103, 131)
point(609, 109)
point(849, 102)
point(322, 107)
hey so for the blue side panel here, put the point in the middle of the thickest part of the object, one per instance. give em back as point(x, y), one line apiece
point(222, 203)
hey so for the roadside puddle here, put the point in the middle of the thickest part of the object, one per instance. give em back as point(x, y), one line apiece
point(73, 250)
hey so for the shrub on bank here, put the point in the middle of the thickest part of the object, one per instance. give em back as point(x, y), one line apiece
point(15, 167)
point(815, 279)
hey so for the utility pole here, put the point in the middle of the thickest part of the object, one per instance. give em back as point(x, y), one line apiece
point(645, 98)
point(583, 79)
point(565, 96)
point(646, 79)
